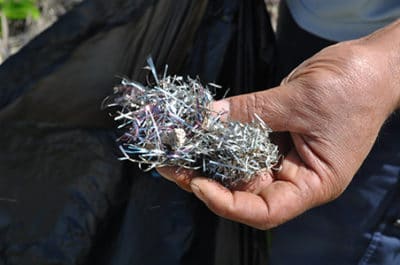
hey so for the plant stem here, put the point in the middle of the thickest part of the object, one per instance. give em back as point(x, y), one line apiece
point(5, 35)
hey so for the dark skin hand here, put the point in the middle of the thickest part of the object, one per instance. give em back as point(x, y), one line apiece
point(332, 106)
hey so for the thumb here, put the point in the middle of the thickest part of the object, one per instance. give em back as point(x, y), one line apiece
point(274, 106)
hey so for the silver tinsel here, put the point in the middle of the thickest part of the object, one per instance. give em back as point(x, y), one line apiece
point(169, 123)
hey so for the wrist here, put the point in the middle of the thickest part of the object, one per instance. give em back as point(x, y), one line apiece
point(385, 43)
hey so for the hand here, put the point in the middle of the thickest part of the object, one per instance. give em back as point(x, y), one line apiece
point(333, 106)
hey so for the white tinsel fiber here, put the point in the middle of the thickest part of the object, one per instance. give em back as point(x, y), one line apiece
point(169, 123)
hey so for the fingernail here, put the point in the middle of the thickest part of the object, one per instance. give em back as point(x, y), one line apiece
point(221, 107)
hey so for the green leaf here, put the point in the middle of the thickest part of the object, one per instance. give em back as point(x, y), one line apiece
point(19, 9)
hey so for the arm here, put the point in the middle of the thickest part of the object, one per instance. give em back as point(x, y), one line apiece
point(333, 106)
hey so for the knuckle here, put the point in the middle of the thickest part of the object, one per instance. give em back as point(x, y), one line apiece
point(221, 209)
point(250, 106)
point(228, 210)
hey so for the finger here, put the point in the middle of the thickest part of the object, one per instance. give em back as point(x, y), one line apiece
point(258, 182)
point(240, 206)
point(274, 106)
point(180, 176)
point(278, 202)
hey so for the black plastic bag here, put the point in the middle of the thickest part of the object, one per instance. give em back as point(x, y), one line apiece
point(64, 196)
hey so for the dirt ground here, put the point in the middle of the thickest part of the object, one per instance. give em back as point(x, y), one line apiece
point(22, 31)
point(272, 7)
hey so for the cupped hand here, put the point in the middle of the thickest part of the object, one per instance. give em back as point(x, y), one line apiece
point(332, 106)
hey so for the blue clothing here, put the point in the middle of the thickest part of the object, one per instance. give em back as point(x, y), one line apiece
point(360, 227)
point(340, 20)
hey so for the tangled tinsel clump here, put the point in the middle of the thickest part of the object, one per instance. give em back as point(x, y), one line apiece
point(169, 123)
